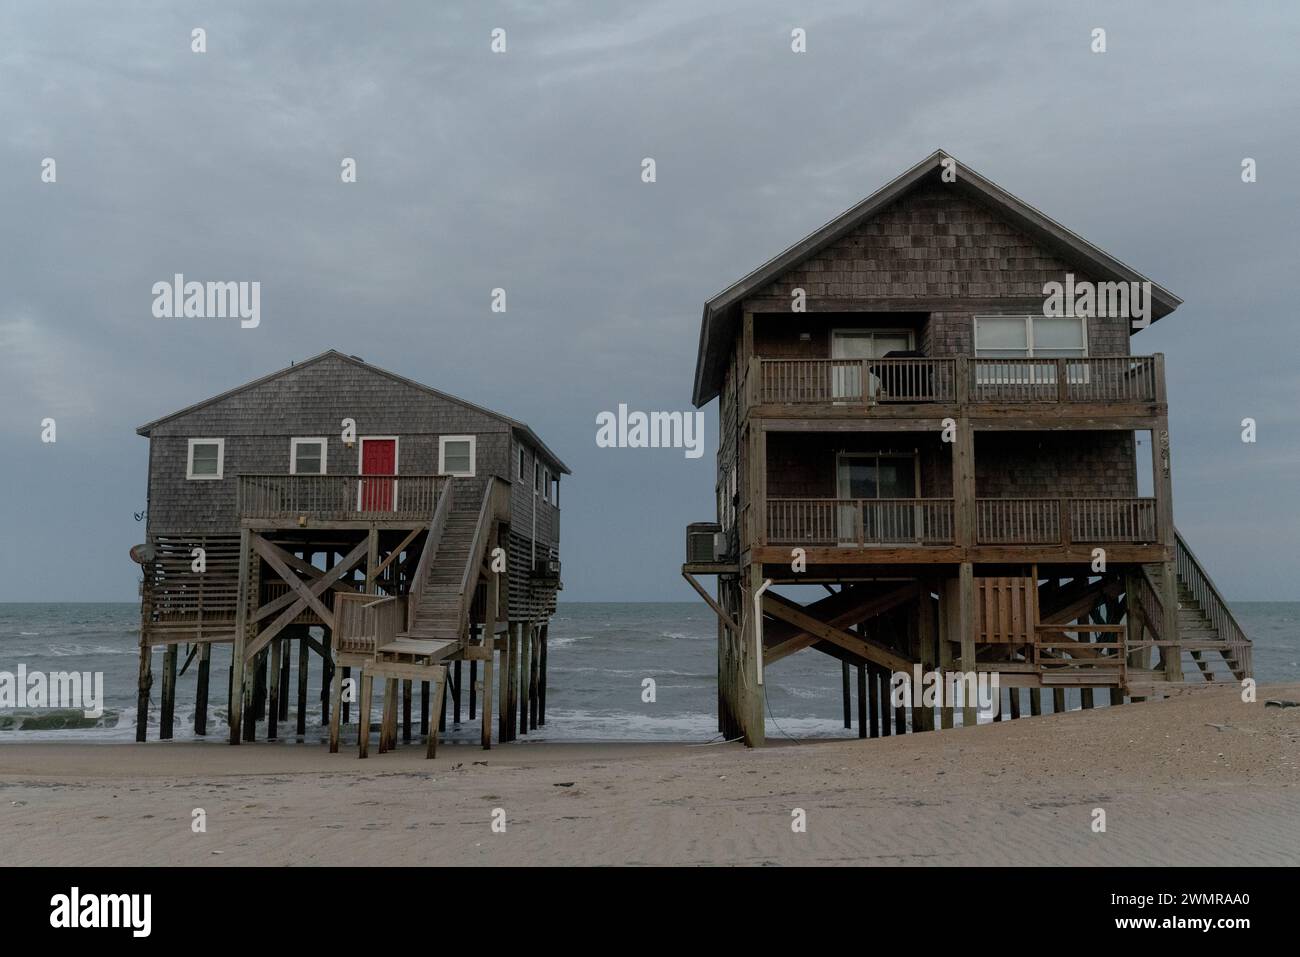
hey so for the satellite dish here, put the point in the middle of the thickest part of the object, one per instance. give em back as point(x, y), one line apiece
point(142, 554)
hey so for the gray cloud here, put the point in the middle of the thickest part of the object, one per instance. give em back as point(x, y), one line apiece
point(522, 171)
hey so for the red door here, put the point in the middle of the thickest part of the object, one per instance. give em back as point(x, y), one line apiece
point(378, 457)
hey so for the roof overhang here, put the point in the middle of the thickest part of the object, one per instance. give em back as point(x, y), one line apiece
point(722, 313)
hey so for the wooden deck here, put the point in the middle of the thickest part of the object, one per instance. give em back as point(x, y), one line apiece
point(1104, 386)
point(337, 501)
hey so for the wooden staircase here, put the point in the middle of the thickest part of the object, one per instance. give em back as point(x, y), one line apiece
point(439, 608)
point(1207, 631)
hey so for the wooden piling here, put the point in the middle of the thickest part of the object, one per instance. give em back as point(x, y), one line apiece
point(455, 692)
point(862, 698)
point(363, 736)
point(284, 679)
point(406, 711)
point(1015, 702)
point(1058, 700)
point(424, 708)
point(844, 693)
point(473, 688)
point(1035, 702)
point(543, 640)
point(277, 678)
point(882, 684)
point(867, 677)
point(525, 665)
point(439, 696)
point(166, 720)
point(201, 689)
point(304, 663)
point(347, 705)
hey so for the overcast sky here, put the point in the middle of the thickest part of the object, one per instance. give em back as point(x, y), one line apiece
point(478, 170)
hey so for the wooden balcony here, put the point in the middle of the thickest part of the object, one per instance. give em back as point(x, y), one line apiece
point(339, 501)
point(1029, 529)
point(948, 385)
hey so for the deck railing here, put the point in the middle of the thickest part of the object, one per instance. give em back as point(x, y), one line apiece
point(338, 498)
point(1057, 521)
point(931, 521)
point(958, 380)
point(848, 521)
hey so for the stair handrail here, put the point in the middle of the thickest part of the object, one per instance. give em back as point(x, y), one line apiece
point(469, 578)
point(436, 525)
point(1212, 603)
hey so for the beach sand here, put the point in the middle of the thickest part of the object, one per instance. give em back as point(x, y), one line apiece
point(1175, 790)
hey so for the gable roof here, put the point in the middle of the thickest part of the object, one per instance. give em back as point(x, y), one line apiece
point(517, 427)
point(722, 312)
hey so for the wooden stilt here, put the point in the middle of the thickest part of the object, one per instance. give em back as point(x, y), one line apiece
point(242, 601)
point(870, 700)
point(336, 713)
point(1116, 696)
point(442, 711)
point(844, 693)
point(387, 692)
point(882, 683)
point(1015, 702)
point(862, 697)
point(455, 692)
point(473, 689)
point(489, 639)
point(406, 711)
point(255, 695)
point(525, 665)
point(966, 632)
point(534, 677)
point(424, 708)
point(503, 696)
point(513, 684)
point(201, 690)
point(284, 679)
point(277, 679)
point(439, 696)
point(1035, 702)
point(304, 664)
point(542, 641)
point(363, 737)
point(144, 675)
point(1058, 700)
point(946, 710)
point(927, 638)
point(347, 705)
point(166, 721)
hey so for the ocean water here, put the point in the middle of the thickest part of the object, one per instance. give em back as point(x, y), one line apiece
point(599, 656)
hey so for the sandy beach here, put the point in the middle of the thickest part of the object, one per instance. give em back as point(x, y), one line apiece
point(1200, 779)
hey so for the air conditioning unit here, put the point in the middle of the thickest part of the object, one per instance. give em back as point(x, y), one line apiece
point(546, 568)
point(705, 542)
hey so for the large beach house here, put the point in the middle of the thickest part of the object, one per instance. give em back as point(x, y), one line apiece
point(944, 446)
point(412, 530)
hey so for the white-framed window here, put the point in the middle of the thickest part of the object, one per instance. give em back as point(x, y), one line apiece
point(519, 469)
point(555, 490)
point(456, 455)
point(537, 476)
point(205, 459)
point(1027, 337)
point(546, 485)
point(307, 456)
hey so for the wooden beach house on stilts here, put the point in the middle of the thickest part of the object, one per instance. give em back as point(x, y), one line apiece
point(952, 471)
point(398, 534)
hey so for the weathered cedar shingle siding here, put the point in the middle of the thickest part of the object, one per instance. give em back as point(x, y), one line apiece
point(932, 245)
